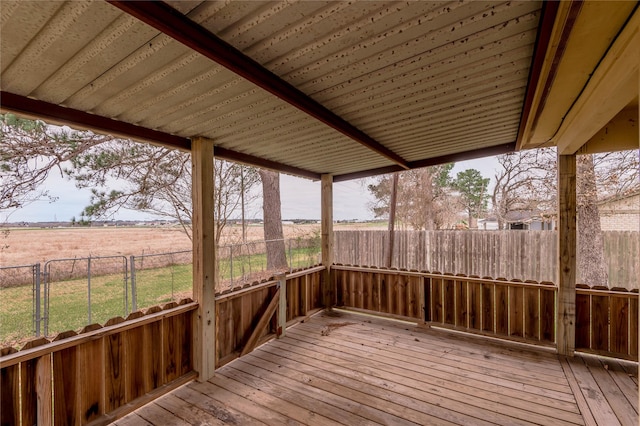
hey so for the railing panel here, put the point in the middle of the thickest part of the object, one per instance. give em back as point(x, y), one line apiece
point(633, 326)
point(114, 359)
point(448, 304)
point(548, 313)
point(90, 359)
point(137, 341)
point(239, 311)
point(488, 309)
point(516, 311)
point(600, 322)
point(9, 392)
point(475, 307)
point(583, 321)
point(462, 302)
point(65, 382)
point(80, 378)
point(619, 325)
point(436, 300)
point(607, 322)
point(501, 309)
point(532, 313)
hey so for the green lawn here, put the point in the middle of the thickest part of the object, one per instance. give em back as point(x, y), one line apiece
point(68, 300)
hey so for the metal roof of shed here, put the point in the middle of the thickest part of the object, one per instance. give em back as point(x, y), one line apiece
point(304, 87)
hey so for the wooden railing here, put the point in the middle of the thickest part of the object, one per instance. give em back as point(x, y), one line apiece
point(104, 372)
point(247, 315)
point(101, 373)
point(607, 321)
point(516, 310)
point(523, 311)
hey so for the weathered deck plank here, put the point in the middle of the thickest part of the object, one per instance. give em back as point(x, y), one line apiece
point(360, 370)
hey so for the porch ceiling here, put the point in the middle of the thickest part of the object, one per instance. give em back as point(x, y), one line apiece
point(305, 87)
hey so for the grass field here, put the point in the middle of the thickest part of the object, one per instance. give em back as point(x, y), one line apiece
point(111, 295)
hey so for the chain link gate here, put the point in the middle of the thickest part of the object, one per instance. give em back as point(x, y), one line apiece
point(68, 282)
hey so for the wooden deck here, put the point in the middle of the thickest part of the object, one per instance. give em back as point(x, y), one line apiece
point(358, 370)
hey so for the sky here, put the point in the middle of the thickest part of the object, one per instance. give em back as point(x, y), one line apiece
point(300, 198)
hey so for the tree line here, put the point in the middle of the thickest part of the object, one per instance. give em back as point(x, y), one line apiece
point(157, 180)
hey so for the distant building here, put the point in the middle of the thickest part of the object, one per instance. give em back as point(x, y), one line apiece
point(531, 220)
point(621, 213)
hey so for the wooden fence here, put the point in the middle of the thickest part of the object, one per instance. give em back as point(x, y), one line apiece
point(606, 320)
point(104, 372)
point(523, 255)
point(239, 312)
point(100, 373)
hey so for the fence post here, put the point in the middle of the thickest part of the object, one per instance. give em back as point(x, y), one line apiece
point(126, 287)
point(134, 294)
point(38, 312)
point(46, 290)
point(231, 264)
point(89, 289)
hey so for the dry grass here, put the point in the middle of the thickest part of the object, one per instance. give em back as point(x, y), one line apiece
point(24, 246)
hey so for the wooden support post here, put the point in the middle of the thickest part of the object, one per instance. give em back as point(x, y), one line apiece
point(566, 302)
point(282, 305)
point(326, 207)
point(204, 258)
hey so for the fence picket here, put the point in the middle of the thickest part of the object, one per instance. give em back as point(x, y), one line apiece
point(513, 254)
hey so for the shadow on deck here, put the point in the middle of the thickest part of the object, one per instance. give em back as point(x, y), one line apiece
point(358, 370)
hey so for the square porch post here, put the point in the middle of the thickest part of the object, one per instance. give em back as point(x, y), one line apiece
point(204, 258)
point(566, 302)
point(326, 207)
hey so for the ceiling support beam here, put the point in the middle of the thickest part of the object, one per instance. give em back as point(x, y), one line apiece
point(182, 29)
point(620, 134)
point(59, 115)
point(443, 159)
point(534, 94)
point(612, 88)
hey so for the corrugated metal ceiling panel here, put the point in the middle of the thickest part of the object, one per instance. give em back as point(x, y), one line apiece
point(425, 79)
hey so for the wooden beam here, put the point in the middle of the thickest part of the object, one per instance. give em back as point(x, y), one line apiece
point(566, 302)
point(326, 207)
point(169, 21)
point(612, 87)
point(252, 341)
point(434, 161)
point(204, 258)
point(621, 133)
point(81, 120)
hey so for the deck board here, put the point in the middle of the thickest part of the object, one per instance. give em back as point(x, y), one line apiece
point(359, 370)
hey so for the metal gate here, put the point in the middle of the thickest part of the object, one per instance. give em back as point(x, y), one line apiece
point(83, 291)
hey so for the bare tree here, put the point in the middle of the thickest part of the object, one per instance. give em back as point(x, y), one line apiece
point(526, 183)
point(273, 233)
point(29, 151)
point(423, 198)
point(121, 174)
